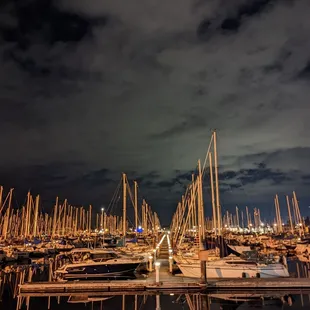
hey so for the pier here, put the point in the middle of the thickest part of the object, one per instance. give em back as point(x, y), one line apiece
point(171, 285)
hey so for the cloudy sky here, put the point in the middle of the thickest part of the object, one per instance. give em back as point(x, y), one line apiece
point(89, 89)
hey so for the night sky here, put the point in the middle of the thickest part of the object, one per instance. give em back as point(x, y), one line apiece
point(89, 89)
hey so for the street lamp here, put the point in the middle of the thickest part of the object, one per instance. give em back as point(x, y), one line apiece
point(101, 220)
point(157, 267)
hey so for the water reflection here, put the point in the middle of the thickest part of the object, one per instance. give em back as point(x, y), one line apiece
point(10, 278)
point(164, 302)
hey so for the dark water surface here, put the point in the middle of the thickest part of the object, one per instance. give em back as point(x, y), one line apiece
point(243, 300)
point(166, 302)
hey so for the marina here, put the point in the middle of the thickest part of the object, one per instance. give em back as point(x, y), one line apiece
point(84, 255)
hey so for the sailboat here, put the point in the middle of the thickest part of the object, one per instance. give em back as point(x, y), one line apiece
point(235, 267)
point(229, 265)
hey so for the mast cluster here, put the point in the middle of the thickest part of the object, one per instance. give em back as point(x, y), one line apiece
point(29, 220)
point(189, 216)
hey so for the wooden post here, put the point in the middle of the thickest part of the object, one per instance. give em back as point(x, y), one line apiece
point(203, 257)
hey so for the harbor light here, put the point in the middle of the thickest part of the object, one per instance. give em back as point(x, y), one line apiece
point(157, 267)
point(170, 263)
point(150, 263)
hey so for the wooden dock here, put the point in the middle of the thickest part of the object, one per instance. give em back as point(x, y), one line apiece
point(180, 285)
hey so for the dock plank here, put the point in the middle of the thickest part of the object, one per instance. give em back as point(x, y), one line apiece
point(35, 289)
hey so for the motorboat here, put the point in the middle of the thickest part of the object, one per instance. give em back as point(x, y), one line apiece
point(100, 264)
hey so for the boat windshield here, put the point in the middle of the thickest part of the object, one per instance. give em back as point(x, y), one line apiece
point(250, 255)
point(257, 257)
point(103, 256)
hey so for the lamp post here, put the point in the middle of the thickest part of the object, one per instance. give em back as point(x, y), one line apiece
point(150, 263)
point(170, 263)
point(157, 267)
point(101, 219)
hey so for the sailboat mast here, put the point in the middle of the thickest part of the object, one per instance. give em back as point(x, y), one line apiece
point(136, 206)
point(289, 214)
point(36, 211)
point(217, 193)
point(1, 193)
point(202, 216)
point(124, 204)
point(212, 194)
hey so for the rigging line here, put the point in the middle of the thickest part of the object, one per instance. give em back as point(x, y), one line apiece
point(5, 200)
point(115, 203)
point(130, 221)
point(129, 192)
point(139, 216)
point(114, 195)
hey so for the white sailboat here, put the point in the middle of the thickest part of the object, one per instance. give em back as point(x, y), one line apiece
point(235, 267)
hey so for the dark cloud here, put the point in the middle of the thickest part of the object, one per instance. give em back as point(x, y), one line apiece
point(305, 72)
point(234, 17)
point(89, 89)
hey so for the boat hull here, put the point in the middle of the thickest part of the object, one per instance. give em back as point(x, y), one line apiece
point(226, 272)
point(97, 272)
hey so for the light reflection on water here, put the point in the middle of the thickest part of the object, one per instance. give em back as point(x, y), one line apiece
point(163, 302)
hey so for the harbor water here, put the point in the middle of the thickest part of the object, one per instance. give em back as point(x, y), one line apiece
point(154, 300)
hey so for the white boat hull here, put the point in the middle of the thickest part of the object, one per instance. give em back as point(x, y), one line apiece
point(235, 271)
